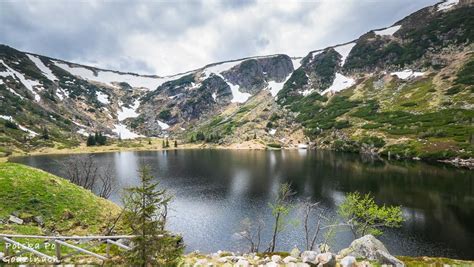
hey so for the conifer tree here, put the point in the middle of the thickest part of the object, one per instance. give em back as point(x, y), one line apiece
point(91, 140)
point(145, 211)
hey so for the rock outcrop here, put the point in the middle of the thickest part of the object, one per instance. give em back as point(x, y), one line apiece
point(370, 248)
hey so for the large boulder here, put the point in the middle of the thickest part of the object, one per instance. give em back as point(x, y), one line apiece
point(370, 248)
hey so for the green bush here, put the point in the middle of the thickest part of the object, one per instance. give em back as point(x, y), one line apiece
point(373, 140)
point(165, 114)
point(11, 124)
point(274, 145)
point(453, 90)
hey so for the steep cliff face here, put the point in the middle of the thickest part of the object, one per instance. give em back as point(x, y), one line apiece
point(409, 84)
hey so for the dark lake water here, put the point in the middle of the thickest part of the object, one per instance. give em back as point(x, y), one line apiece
point(215, 189)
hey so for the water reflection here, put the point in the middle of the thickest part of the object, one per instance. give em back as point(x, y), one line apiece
point(215, 189)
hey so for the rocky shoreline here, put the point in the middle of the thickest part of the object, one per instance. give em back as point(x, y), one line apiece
point(365, 251)
point(460, 163)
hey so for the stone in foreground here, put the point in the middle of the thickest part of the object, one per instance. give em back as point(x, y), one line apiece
point(370, 248)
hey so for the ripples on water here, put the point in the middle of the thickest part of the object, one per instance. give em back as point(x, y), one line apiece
point(215, 189)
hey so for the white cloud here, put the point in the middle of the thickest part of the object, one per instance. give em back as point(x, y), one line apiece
point(169, 37)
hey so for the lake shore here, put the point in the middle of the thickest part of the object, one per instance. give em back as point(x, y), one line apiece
point(156, 144)
point(134, 145)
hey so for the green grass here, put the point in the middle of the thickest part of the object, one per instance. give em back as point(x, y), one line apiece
point(32, 192)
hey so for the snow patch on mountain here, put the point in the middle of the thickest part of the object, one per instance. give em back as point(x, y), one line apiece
point(447, 4)
point(21, 127)
point(340, 83)
point(220, 67)
point(109, 77)
point(128, 112)
point(124, 133)
point(163, 125)
point(238, 97)
point(315, 53)
point(7, 118)
point(275, 87)
point(296, 62)
point(82, 132)
point(388, 31)
point(306, 92)
point(407, 74)
point(344, 51)
point(103, 98)
point(29, 84)
point(43, 68)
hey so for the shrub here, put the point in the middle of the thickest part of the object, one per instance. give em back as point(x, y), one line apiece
point(11, 125)
point(373, 140)
point(274, 145)
point(364, 216)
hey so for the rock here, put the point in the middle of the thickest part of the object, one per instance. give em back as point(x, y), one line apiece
point(67, 215)
point(237, 258)
point(242, 262)
point(222, 260)
point(309, 256)
point(39, 220)
point(15, 219)
point(276, 258)
point(200, 262)
point(364, 247)
point(385, 258)
point(370, 248)
point(289, 259)
point(272, 264)
point(326, 259)
point(295, 252)
point(348, 261)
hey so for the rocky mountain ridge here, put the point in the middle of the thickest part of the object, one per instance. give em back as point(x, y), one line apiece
point(416, 72)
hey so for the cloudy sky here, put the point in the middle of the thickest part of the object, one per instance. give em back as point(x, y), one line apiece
point(166, 37)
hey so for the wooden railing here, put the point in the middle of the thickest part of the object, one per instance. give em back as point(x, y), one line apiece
point(59, 241)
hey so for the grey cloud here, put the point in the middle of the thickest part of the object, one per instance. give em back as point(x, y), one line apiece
point(181, 35)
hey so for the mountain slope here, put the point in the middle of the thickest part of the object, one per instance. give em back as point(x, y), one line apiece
point(406, 89)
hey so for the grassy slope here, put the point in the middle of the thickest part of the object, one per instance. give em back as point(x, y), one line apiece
point(33, 192)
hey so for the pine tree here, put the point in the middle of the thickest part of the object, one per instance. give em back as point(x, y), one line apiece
point(149, 141)
point(90, 140)
point(193, 139)
point(163, 144)
point(45, 134)
point(145, 211)
point(175, 143)
point(167, 143)
point(100, 139)
point(255, 136)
